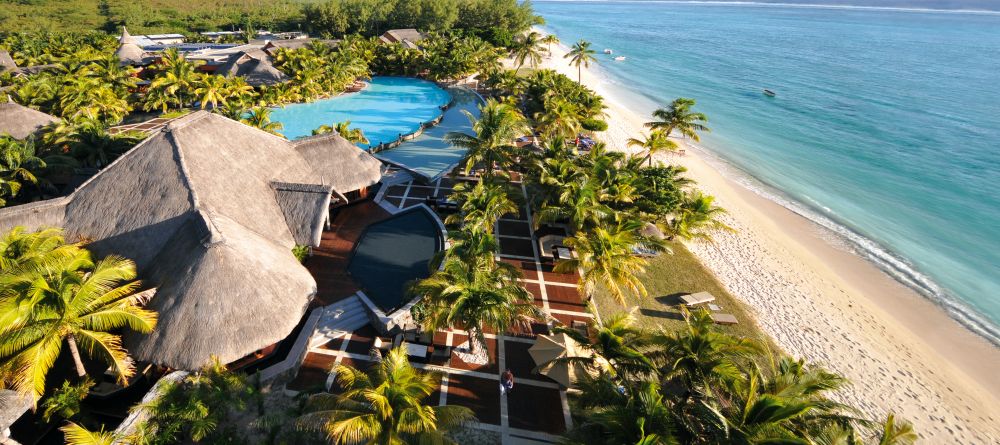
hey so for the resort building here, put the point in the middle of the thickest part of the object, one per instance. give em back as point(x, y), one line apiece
point(210, 210)
point(407, 37)
point(19, 121)
point(254, 65)
point(129, 52)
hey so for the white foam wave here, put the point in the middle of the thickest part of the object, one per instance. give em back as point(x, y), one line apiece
point(844, 236)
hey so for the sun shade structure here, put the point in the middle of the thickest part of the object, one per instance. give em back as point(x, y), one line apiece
point(20, 121)
point(210, 210)
point(697, 298)
point(547, 351)
point(253, 65)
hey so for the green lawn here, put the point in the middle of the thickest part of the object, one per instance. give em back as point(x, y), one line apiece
point(666, 278)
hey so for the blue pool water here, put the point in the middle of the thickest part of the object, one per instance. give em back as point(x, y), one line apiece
point(885, 128)
point(388, 107)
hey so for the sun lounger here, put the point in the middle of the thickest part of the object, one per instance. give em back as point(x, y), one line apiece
point(697, 298)
point(724, 319)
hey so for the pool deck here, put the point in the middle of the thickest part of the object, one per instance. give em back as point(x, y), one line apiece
point(328, 263)
point(537, 410)
point(429, 155)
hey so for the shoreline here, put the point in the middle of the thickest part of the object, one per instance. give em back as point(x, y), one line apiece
point(901, 351)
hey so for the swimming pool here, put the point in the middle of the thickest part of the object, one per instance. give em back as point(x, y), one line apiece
point(430, 155)
point(387, 108)
point(392, 253)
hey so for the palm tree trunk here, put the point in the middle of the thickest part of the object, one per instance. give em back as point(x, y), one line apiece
point(579, 74)
point(75, 352)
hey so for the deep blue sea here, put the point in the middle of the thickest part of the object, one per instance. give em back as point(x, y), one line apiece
point(885, 127)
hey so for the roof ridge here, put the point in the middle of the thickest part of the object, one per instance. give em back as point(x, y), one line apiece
point(182, 163)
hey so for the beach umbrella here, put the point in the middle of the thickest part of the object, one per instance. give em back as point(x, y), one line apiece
point(649, 230)
point(549, 348)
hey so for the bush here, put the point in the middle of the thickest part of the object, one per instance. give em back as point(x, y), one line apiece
point(594, 125)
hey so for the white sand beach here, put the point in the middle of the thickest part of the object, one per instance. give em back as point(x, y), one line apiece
point(818, 301)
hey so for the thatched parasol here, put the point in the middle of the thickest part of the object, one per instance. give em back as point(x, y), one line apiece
point(548, 352)
point(649, 230)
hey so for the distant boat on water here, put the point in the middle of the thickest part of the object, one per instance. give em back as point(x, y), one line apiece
point(620, 58)
point(608, 51)
point(769, 93)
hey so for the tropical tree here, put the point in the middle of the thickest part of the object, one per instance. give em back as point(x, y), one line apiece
point(260, 117)
point(174, 84)
point(549, 40)
point(893, 432)
point(604, 255)
point(65, 401)
point(679, 117)
point(384, 405)
point(636, 413)
point(480, 206)
point(211, 90)
point(495, 129)
point(90, 143)
point(527, 48)
point(353, 135)
point(76, 301)
point(615, 344)
point(697, 218)
point(75, 434)
point(653, 143)
point(474, 294)
point(580, 56)
point(192, 408)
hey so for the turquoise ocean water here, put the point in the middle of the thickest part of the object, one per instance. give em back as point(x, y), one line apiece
point(885, 128)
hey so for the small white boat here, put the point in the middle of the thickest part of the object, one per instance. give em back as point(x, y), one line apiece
point(608, 51)
point(620, 58)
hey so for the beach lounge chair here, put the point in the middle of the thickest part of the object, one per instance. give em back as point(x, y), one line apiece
point(724, 319)
point(697, 298)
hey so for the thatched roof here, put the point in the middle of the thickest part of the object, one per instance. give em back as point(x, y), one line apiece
point(13, 405)
point(20, 121)
point(210, 210)
point(254, 65)
point(407, 37)
point(129, 52)
point(7, 62)
point(330, 155)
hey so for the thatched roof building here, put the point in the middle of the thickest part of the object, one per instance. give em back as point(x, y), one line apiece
point(7, 62)
point(13, 405)
point(255, 66)
point(20, 121)
point(407, 37)
point(210, 210)
point(129, 52)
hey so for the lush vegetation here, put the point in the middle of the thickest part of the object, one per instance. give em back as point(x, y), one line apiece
point(54, 293)
point(697, 385)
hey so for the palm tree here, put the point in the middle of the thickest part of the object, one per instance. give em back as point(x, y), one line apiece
point(481, 205)
point(701, 359)
point(527, 48)
point(78, 435)
point(580, 56)
point(495, 129)
point(896, 433)
point(474, 294)
point(697, 217)
point(20, 249)
point(559, 118)
point(353, 135)
point(76, 301)
point(678, 116)
point(604, 254)
point(654, 143)
point(212, 90)
point(19, 166)
point(635, 413)
point(615, 340)
point(174, 85)
point(549, 40)
point(260, 117)
point(385, 405)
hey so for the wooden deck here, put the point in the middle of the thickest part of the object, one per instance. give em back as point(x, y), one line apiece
point(328, 264)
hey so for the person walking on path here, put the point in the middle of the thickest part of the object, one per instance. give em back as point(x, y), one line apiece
point(506, 382)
